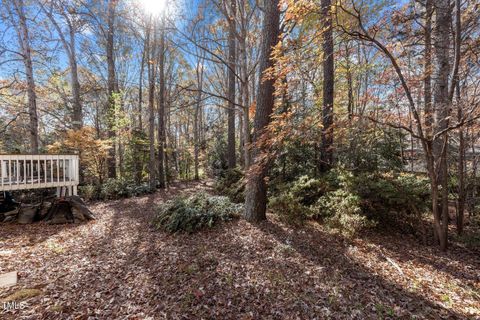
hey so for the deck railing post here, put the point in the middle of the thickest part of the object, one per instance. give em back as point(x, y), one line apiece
point(24, 178)
point(9, 170)
point(32, 169)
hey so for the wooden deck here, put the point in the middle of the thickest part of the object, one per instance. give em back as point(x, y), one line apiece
point(22, 172)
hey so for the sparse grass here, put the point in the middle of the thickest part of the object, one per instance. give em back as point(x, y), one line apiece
point(285, 249)
point(445, 298)
point(56, 248)
point(56, 308)
point(191, 269)
point(22, 294)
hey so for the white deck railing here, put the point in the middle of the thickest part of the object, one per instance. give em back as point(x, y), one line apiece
point(21, 172)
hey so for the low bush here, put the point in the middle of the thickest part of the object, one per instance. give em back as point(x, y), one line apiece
point(195, 213)
point(89, 192)
point(294, 202)
point(307, 190)
point(113, 189)
point(289, 209)
point(341, 209)
point(138, 190)
point(470, 237)
point(394, 199)
point(231, 184)
point(352, 201)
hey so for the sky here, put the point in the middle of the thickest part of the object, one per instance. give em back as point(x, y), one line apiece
point(177, 9)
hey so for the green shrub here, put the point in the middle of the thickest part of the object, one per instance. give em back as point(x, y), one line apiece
point(289, 209)
point(293, 202)
point(195, 213)
point(230, 183)
point(138, 190)
point(471, 234)
point(351, 201)
point(113, 189)
point(89, 192)
point(341, 209)
point(394, 199)
point(308, 190)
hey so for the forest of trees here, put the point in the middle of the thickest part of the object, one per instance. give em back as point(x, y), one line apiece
point(272, 92)
point(239, 159)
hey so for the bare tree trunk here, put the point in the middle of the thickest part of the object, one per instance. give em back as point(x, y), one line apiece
point(247, 139)
point(442, 106)
point(168, 135)
point(176, 154)
point(241, 145)
point(140, 86)
point(326, 152)
point(455, 86)
point(197, 124)
point(151, 108)
point(350, 106)
point(429, 112)
point(112, 166)
point(138, 132)
point(256, 194)
point(461, 168)
point(231, 85)
point(161, 110)
point(195, 141)
point(24, 40)
point(427, 85)
point(77, 103)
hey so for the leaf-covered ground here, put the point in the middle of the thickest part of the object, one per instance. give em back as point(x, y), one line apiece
point(118, 267)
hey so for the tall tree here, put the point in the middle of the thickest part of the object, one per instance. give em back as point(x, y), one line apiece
point(441, 47)
point(435, 148)
point(150, 54)
point(455, 87)
point(111, 86)
point(326, 151)
point(245, 15)
point(199, 72)
point(67, 12)
point(161, 107)
point(231, 158)
point(23, 35)
point(256, 189)
point(138, 132)
point(427, 82)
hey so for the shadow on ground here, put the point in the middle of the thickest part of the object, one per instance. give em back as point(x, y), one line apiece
point(120, 267)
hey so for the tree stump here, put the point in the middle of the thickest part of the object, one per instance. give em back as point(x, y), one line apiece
point(27, 213)
point(70, 209)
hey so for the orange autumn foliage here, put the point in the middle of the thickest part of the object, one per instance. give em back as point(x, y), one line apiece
point(93, 152)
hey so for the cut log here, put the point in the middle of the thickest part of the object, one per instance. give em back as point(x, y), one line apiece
point(68, 210)
point(44, 209)
point(80, 209)
point(9, 216)
point(60, 213)
point(10, 219)
point(27, 213)
point(12, 213)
